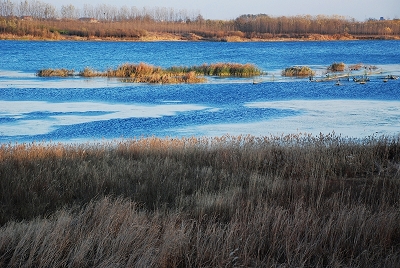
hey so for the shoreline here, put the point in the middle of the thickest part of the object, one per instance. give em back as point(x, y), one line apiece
point(161, 37)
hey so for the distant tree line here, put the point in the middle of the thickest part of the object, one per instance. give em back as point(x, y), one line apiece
point(320, 24)
point(37, 18)
point(102, 12)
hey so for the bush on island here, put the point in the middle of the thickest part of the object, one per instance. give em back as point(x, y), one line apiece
point(298, 71)
point(337, 67)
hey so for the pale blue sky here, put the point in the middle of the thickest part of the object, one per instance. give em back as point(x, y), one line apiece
point(230, 9)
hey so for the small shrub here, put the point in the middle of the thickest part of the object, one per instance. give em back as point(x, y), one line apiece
point(337, 67)
point(89, 72)
point(55, 72)
point(191, 77)
point(298, 71)
point(355, 67)
point(237, 33)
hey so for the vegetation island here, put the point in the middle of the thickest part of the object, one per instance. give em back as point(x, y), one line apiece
point(146, 73)
point(36, 20)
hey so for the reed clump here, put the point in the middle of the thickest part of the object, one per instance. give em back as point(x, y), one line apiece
point(133, 70)
point(55, 72)
point(337, 67)
point(289, 201)
point(298, 71)
point(221, 69)
point(89, 72)
point(356, 67)
point(145, 73)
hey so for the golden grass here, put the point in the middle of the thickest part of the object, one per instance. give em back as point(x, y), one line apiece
point(289, 201)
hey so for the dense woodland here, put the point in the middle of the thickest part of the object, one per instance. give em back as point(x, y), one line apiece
point(42, 20)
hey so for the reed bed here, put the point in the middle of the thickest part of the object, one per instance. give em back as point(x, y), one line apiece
point(55, 72)
point(221, 69)
point(134, 73)
point(273, 201)
point(89, 72)
point(146, 73)
point(298, 71)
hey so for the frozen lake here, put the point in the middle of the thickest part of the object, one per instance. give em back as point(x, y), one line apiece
point(80, 109)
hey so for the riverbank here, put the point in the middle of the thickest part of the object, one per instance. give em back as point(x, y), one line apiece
point(157, 36)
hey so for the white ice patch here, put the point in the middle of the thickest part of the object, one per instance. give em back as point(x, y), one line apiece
point(68, 114)
point(19, 80)
point(352, 118)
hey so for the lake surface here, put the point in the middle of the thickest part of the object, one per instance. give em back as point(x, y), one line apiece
point(78, 109)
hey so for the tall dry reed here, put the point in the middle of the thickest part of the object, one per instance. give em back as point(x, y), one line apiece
point(291, 201)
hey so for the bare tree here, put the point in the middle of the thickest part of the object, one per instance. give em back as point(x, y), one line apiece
point(88, 11)
point(6, 8)
point(23, 8)
point(69, 12)
point(123, 13)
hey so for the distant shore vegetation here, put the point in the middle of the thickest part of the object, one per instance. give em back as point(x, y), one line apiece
point(32, 19)
point(146, 73)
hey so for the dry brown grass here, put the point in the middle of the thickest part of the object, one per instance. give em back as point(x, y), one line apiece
point(289, 201)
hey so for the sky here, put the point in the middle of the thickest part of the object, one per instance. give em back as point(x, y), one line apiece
point(360, 10)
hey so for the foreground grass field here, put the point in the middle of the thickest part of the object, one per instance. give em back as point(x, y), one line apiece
point(289, 201)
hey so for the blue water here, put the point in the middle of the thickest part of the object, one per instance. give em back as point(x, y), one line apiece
point(78, 109)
